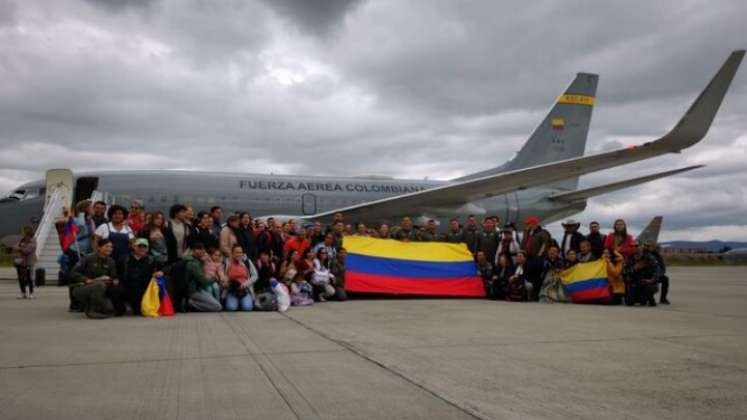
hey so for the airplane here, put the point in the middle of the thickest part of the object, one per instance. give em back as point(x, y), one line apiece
point(541, 180)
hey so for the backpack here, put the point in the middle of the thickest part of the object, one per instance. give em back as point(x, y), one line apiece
point(265, 301)
point(515, 290)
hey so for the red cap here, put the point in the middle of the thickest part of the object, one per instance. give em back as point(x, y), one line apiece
point(531, 220)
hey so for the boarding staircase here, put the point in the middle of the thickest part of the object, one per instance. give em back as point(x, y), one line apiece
point(48, 248)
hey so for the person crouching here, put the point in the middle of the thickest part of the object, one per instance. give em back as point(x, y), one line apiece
point(241, 277)
point(641, 274)
point(321, 277)
point(95, 285)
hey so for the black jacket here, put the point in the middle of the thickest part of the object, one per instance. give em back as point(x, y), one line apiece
point(597, 243)
point(575, 239)
point(203, 236)
point(245, 238)
point(487, 242)
point(134, 274)
point(171, 240)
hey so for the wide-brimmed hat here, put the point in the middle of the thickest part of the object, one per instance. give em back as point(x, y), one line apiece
point(571, 222)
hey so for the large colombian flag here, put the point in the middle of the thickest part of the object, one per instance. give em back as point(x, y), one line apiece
point(586, 281)
point(410, 268)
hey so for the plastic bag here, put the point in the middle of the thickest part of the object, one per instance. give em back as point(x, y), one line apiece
point(282, 294)
point(151, 302)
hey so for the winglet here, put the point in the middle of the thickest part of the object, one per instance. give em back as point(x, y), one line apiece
point(697, 120)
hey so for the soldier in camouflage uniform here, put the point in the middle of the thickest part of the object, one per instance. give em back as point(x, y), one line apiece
point(428, 234)
point(471, 234)
point(641, 273)
point(488, 240)
point(406, 232)
point(95, 285)
point(455, 234)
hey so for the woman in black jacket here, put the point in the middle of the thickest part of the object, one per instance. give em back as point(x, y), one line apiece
point(203, 232)
point(245, 236)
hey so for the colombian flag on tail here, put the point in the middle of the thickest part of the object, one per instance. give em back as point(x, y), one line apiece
point(410, 268)
point(586, 281)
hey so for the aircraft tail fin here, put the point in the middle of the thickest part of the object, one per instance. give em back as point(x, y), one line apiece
point(651, 232)
point(562, 133)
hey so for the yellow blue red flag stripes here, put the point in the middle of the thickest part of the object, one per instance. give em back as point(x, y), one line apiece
point(411, 268)
point(586, 281)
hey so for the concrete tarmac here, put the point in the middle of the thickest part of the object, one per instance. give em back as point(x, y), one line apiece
point(385, 359)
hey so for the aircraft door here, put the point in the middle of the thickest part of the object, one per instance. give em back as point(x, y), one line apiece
point(512, 208)
point(84, 187)
point(308, 204)
point(60, 179)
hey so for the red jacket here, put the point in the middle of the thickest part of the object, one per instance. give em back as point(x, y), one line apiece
point(626, 248)
point(136, 223)
point(293, 243)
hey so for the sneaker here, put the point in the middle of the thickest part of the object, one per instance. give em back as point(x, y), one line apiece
point(652, 303)
point(30, 297)
point(664, 302)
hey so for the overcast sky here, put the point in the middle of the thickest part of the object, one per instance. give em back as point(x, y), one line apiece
point(398, 88)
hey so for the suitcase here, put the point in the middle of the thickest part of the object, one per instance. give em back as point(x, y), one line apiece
point(40, 277)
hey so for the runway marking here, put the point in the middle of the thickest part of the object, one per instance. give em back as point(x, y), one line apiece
point(471, 412)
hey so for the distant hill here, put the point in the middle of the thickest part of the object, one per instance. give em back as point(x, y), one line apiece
point(707, 245)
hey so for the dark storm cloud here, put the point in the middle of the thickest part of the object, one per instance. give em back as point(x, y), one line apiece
point(7, 12)
point(119, 5)
point(315, 16)
point(414, 89)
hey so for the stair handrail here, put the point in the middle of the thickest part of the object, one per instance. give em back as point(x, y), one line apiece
point(52, 210)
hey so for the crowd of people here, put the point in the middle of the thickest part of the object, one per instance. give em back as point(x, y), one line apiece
point(213, 261)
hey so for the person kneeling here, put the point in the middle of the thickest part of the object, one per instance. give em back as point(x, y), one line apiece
point(519, 288)
point(241, 277)
point(641, 274)
point(202, 291)
point(322, 278)
point(95, 285)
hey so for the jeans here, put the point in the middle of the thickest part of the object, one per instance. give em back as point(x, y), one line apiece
point(234, 303)
point(203, 301)
point(24, 278)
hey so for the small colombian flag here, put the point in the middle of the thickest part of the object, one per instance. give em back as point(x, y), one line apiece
point(557, 123)
point(586, 281)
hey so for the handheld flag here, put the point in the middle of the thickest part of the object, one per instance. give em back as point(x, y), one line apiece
point(69, 234)
point(586, 281)
point(165, 307)
point(151, 302)
point(410, 268)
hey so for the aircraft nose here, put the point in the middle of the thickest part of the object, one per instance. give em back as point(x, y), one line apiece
point(15, 214)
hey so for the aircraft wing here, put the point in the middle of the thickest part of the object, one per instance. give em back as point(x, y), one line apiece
point(581, 195)
point(691, 128)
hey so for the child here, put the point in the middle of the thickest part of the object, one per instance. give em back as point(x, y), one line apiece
point(301, 291)
point(214, 268)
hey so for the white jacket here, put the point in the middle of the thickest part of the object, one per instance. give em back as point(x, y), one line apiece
point(321, 274)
